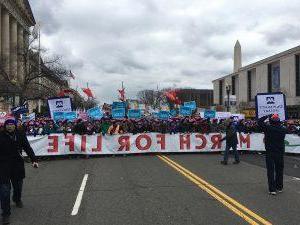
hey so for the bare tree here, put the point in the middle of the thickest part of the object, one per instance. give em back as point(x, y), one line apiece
point(151, 98)
point(41, 76)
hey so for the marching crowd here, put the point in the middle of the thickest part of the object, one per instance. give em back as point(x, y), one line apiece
point(108, 126)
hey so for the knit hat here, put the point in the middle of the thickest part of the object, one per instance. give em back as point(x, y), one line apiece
point(10, 121)
point(275, 117)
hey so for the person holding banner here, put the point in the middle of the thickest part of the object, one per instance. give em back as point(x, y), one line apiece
point(12, 170)
point(231, 142)
point(275, 148)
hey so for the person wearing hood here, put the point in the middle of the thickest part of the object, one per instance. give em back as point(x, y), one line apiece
point(12, 169)
point(275, 148)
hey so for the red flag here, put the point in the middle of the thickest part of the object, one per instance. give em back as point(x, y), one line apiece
point(122, 94)
point(172, 96)
point(64, 92)
point(88, 92)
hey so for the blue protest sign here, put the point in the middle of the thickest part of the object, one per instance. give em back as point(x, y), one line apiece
point(118, 105)
point(191, 105)
point(155, 114)
point(164, 115)
point(118, 113)
point(20, 110)
point(58, 116)
point(185, 111)
point(134, 113)
point(70, 116)
point(209, 114)
point(95, 113)
point(173, 113)
point(27, 118)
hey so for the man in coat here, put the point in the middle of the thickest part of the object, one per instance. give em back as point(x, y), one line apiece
point(231, 142)
point(274, 144)
point(12, 169)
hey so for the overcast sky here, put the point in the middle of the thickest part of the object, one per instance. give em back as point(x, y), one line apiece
point(169, 43)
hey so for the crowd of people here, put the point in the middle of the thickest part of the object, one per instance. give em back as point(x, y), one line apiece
point(108, 126)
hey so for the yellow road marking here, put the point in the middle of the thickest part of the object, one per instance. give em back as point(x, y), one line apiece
point(229, 202)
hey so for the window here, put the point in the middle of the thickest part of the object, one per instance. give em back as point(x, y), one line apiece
point(220, 92)
point(233, 85)
point(249, 85)
point(297, 75)
point(274, 77)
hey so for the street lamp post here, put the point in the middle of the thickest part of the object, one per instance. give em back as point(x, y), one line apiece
point(228, 92)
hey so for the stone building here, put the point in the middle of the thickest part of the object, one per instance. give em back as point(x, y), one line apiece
point(16, 18)
point(277, 73)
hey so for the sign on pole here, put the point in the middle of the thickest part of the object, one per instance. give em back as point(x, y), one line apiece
point(191, 105)
point(20, 109)
point(58, 116)
point(70, 116)
point(164, 115)
point(185, 111)
point(209, 114)
point(118, 113)
point(134, 114)
point(271, 103)
point(119, 105)
point(59, 105)
point(95, 113)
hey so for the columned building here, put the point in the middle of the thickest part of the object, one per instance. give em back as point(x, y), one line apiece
point(277, 73)
point(16, 18)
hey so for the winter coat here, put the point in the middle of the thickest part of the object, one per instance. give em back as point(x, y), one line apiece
point(274, 136)
point(11, 159)
point(231, 135)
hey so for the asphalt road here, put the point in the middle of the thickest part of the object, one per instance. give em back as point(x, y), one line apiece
point(147, 189)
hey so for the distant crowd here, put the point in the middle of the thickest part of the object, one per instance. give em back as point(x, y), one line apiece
point(108, 126)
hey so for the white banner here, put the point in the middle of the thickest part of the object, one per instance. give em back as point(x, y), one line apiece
point(59, 144)
point(59, 105)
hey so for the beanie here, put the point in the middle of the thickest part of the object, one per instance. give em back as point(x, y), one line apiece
point(10, 121)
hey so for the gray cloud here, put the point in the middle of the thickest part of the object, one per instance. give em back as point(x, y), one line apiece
point(146, 43)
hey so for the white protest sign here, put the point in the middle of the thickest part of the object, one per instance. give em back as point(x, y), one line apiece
point(222, 115)
point(271, 103)
point(238, 116)
point(59, 105)
point(2, 117)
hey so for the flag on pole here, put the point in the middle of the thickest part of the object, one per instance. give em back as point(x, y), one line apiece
point(88, 92)
point(122, 94)
point(71, 75)
point(64, 92)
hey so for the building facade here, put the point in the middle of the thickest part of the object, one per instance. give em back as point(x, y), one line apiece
point(16, 18)
point(202, 97)
point(277, 73)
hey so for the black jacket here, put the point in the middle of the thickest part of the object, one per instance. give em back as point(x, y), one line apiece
point(11, 159)
point(274, 136)
point(231, 135)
